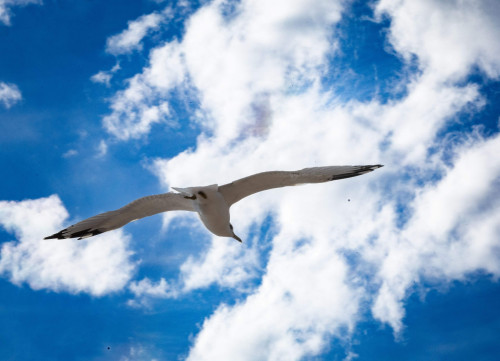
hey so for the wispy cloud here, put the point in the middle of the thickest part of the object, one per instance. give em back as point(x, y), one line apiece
point(9, 94)
point(104, 76)
point(95, 266)
point(102, 148)
point(146, 287)
point(145, 291)
point(142, 352)
point(136, 109)
point(70, 153)
point(131, 38)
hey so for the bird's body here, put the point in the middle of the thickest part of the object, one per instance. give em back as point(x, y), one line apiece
point(212, 203)
point(211, 207)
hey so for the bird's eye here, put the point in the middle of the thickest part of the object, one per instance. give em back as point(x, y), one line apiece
point(230, 226)
point(201, 193)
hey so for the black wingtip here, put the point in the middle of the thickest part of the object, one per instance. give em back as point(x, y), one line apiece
point(58, 235)
point(81, 234)
point(358, 170)
point(369, 168)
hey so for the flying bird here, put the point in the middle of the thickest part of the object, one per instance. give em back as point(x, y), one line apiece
point(211, 202)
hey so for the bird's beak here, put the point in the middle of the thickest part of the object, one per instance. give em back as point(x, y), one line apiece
point(237, 238)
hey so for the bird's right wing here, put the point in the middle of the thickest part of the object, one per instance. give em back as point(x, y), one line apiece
point(244, 187)
point(140, 208)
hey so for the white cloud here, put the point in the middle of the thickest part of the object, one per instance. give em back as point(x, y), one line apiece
point(143, 103)
point(70, 153)
point(303, 300)
point(448, 37)
point(102, 148)
point(259, 52)
point(96, 266)
point(5, 5)
point(256, 75)
point(104, 76)
point(141, 352)
point(351, 356)
point(266, 48)
point(145, 290)
point(148, 288)
point(229, 264)
point(454, 230)
point(134, 112)
point(131, 38)
point(9, 94)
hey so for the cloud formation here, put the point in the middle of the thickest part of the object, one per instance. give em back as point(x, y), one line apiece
point(145, 102)
point(145, 291)
point(448, 37)
point(453, 230)
point(131, 38)
point(256, 73)
point(96, 266)
point(9, 94)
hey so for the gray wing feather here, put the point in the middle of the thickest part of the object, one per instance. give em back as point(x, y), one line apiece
point(241, 188)
point(140, 208)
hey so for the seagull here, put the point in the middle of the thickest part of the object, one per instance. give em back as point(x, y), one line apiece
point(211, 202)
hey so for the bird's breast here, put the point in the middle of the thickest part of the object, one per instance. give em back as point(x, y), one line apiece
point(214, 213)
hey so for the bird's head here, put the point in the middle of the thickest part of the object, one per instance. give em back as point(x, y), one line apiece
point(234, 235)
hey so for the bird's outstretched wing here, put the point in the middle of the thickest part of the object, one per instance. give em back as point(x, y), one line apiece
point(241, 188)
point(140, 208)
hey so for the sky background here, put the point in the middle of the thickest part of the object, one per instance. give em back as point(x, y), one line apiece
point(103, 102)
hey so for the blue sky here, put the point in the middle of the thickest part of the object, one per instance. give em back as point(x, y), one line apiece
point(105, 102)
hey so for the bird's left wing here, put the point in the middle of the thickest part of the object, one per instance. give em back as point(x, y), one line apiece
point(241, 188)
point(140, 208)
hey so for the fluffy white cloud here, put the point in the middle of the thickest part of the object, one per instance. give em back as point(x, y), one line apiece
point(135, 111)
point(9, 94)
point(6, 5)
point(256, 72)
point(265, 48)
point(447, 37)
point(144, 102)
point(96, 266)
point(229, 264)
point(454, 230)
point(303, 300)
point(145, 290)
point(260, 51)
point(131, 38)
